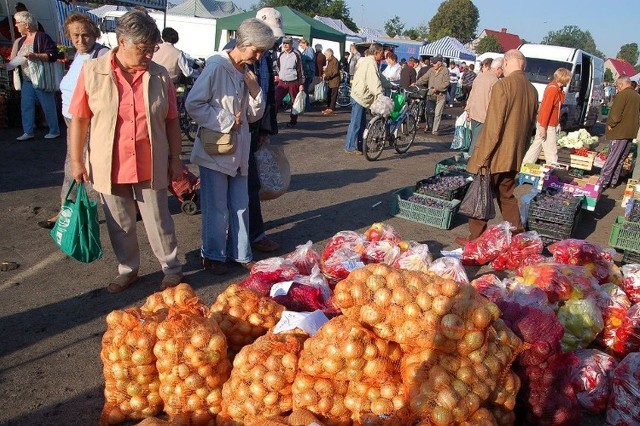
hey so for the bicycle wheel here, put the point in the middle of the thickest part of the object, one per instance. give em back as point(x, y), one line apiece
point(374, 141)
point(406, 133)
point(344, 96)
point(187, 125)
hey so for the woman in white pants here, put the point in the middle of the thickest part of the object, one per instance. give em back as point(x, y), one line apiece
point(549, 119)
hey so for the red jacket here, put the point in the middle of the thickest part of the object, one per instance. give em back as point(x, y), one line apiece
point(552, 100)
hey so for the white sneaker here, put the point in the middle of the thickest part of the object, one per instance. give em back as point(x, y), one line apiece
point(25, 137)
point(52, 135)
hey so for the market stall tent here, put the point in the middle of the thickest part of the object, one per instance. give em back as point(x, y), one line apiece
point(205, 8)
point(294, 23)
point(448, 47)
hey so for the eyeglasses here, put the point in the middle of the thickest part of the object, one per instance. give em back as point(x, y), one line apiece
point(148, 50)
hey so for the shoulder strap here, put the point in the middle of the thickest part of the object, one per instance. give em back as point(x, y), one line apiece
point(97, 47)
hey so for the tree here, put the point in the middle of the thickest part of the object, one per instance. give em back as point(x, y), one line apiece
point(488, 44)
point(332, 8)
point(637, 68)
point(455, 18)
point(394, 26)
point(629, 52)
point(572, 36)
point(420, 32)
point(608, 76)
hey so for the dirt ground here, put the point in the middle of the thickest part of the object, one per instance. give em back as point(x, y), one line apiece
point(52, 308)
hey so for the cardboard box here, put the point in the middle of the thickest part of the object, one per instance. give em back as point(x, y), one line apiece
point(589, 187)
point(631, 191)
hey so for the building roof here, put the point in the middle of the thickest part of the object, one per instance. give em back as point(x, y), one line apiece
point(507, 40)
point(205, 8)
point(370, 34)
point(623, 67)
point(336, 24)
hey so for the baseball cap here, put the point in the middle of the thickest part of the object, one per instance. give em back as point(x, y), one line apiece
point(287, 39)
point(273, 19)
point(436, 59)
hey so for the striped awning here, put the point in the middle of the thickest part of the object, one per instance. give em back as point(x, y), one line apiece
point(448, 47)
point(65, 10)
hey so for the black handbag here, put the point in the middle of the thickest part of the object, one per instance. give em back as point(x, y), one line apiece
point(478, 202)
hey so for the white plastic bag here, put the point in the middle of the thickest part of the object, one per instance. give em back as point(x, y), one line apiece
point(273, 170)
point(299, 103)
point(320, 92)
point(462, 134)
point(383, 105)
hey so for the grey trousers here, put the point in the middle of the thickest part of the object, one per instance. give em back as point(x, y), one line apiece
point(440, 101)
point(618, 151)
point(120, 212)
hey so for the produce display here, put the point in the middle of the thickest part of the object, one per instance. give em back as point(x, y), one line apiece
point(624, 409)
point(487, 246)
point(440, 183)
point(429, 202)
point(523, 246)
point(304, 258)
point(181, 296)
point(631, 281)
point(582, 321)
point(578, 139)
point(449, 267)
point(416, 257)
point(591, 372)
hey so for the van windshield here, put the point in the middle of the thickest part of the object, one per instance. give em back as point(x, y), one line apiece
point(541, 70)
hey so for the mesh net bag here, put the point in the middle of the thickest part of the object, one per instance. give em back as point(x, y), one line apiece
point(322, 397)
point(192, 363)
point(244, 315)
point(265, 273)
point(181, 296)
point(261, 379)
point(624, 409)
point(129, 366)
point(344, 350)
point(591, 372)
point(383, 403)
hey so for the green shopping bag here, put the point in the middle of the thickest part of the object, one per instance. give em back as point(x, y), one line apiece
point(77, 231)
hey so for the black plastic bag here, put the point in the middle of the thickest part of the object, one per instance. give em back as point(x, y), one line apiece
point(478, 202)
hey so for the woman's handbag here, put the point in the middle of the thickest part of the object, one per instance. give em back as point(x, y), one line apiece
point(478, 202)
point(46, 76)
point(77, 231)
point(217, 143)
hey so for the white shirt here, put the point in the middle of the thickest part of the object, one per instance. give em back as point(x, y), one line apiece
point(392, 72)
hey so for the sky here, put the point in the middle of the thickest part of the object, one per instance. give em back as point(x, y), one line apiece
point(610, 26)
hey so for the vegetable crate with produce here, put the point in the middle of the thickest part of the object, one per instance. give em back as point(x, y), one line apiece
point(554, 215)
point(423, 209)
point(447, 186)
point(575, 158)
point(631, 191)
point(456, 163)
point(589, 187)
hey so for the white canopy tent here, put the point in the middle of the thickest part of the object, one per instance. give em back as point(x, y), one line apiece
point(448, 47)
point(205, 9)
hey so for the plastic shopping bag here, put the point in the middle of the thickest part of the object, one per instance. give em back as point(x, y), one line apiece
point(273, 171)
point(320, 92)
point(478, 203)
point(299, 103)
point(462, 134)
point(77, 231)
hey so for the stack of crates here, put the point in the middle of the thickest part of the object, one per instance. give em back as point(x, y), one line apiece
point(625, 233)
point(554, 215)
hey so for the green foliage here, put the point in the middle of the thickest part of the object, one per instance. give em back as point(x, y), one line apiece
point(331, 8)
point(455, 18)
point(637, 68)
point(629, 52)
point(572, 36)
point(608, 76)
point(489, 44)
point(421, 32)
point(394, 26)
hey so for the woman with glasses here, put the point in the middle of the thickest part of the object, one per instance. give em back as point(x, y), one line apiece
point(129, 104)
point(35, 46)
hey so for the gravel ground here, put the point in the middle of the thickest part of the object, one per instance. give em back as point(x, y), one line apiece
point(52, 309)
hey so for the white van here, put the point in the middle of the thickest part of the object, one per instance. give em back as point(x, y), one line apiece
point(196, 35)
point(585, 91)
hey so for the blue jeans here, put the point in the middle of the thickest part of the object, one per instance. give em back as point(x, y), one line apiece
point(28, 107)
point(224, 201)
point(356, 127)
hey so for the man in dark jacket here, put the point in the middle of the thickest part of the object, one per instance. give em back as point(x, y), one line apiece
point(622, 127)
point(408, 74)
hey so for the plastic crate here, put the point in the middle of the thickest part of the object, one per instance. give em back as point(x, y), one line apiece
point(428, 215)
point(450, 164)
point(630, 257)
point(625, 235)
point(445, 194)
point(565, 214)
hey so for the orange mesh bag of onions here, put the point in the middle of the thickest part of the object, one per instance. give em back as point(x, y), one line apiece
point(129, 366)
point(322, 397)
point(261, 380)
point(181, 296)
point(244, 315)
point(383, 403)
point(503, 416)
point(342, 349)
point(192, 365)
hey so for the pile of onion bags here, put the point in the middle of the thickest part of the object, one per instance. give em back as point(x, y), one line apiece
point(624, 409)
point(416, 257)
point(265, 273)
point(261, 381)
point(132, 386)
point(449, 268)
point(323, 397)
point(494, 240)
point(192, 362)
point(591, 371)
point(304, 258)
point(523, 246)
point(244, 315)
point(181, 296)
point(583, 253)
point(631, 282)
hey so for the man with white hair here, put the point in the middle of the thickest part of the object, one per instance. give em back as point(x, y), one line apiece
point(622, 127)
point(504, 139)
point(478, 100)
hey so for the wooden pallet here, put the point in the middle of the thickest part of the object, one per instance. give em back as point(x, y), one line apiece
point(574, 161)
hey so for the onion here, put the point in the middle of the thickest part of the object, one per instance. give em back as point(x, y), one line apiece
point(440, 416)
point(452, 327)
point(441, 305)
point(375, 282)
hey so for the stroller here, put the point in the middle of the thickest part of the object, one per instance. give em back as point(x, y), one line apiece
point(184, 189)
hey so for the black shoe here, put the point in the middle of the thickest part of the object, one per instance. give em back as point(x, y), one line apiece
point(214, 266)
point(46, 224)
point(290, 125)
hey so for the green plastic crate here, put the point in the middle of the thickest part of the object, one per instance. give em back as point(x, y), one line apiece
point(625, 239)
point(427, 215)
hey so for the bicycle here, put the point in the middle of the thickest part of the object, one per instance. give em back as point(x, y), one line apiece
point(400, 131)
point(344, 91)
point(187, 125)
point(422, 106)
